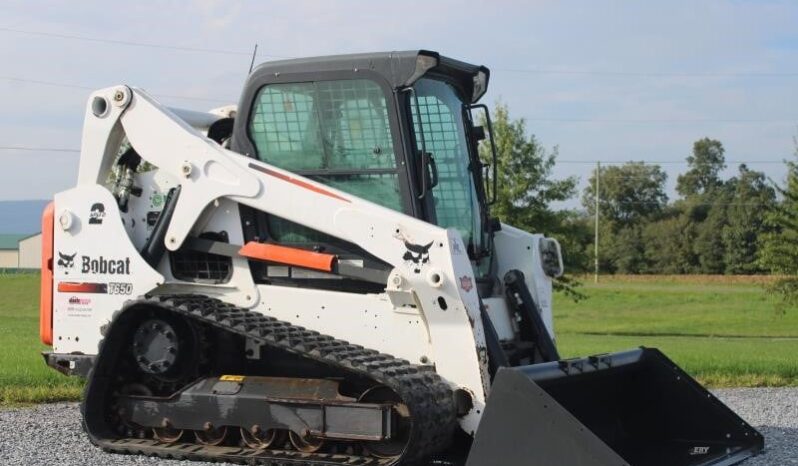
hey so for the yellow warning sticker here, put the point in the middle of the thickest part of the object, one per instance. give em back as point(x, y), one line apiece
point(232, 378)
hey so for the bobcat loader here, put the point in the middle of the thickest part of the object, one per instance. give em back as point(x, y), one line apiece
point(313, 277)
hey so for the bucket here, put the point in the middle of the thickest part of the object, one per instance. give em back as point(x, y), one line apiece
point(633, 408)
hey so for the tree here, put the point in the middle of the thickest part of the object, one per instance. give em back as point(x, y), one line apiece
point(726, 216)
point(708, 245)
point(670, 244)
point(628, 193)
point(627, 251)
point(705, 165)
point(779, 247)
point(752, 200)
point(526, 188)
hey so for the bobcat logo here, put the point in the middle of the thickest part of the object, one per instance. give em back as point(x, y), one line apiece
point(417, 255)
point(65, 261)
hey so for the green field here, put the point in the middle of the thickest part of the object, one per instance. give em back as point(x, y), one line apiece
point(725, 332)
point(24, 378)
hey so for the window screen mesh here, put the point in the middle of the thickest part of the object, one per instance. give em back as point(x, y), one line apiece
point(323, 125)
point(342, 126)
point(439, 112)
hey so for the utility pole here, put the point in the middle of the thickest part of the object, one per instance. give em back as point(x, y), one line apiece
point(596, 239)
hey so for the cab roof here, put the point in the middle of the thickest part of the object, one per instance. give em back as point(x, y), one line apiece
point(400, 69)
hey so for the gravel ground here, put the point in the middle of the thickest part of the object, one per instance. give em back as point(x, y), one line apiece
point(51, 434)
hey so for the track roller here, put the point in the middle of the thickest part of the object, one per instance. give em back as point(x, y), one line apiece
point(305, 443)
point(260, 439)
point(211, 436)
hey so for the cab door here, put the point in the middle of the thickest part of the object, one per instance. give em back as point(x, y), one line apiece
point(338, 132)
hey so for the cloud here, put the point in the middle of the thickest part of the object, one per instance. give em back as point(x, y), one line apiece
point(618, 36)
point(218, 14)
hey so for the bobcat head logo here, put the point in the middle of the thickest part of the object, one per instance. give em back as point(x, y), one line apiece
point(65, 261)
point(417, 255)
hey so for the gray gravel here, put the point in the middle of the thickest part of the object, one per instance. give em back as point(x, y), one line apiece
point(774, 412)
point(51, 434)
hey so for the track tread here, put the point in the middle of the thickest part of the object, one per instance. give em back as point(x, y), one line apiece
point(429, 399)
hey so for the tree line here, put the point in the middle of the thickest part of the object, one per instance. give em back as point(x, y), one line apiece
point(741, 224)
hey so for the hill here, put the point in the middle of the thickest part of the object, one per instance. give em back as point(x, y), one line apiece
point(21, 217)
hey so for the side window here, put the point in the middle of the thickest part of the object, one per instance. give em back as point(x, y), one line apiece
point(334, 132)
point(437, 118)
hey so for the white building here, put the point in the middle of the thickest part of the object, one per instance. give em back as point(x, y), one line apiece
point(30, 252)
point(20, 251)
point(9, 256)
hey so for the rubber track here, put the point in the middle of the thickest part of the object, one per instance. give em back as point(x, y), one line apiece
point(429, 399)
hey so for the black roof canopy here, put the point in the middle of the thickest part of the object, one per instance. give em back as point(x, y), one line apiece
point(399, 69)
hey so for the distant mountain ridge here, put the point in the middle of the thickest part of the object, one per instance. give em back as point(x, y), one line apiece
point(21, 217)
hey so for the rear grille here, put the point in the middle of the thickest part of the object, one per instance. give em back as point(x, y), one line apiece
point(196, 266)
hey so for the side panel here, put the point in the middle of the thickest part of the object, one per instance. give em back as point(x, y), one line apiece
point(96, 268)
point(517, 249)
point(369, 320)
point(500, 317)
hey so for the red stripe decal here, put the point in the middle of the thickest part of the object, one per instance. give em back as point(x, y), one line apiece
point(300, 183)
point(73, 287)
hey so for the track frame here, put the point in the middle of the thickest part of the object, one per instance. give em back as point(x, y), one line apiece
point(429, 399)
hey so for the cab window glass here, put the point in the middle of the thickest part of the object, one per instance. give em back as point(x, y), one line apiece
point(438, 118)
point(334, 132)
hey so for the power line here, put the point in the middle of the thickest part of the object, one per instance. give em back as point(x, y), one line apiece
point(649, 74)
point(45, 83)
point(133, 43)
point(791, 121)
point(663, 162)
point(586, 162)
point(644, 74)
point(558, 120)
point(534, 70)
point(38, 149)
point(89, 88)
point(565, 120)
point(710, 204)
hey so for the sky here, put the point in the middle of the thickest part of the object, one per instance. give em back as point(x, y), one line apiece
point(600, 80)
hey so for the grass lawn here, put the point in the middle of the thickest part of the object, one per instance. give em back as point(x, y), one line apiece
point(24, 377)
point(726, 333)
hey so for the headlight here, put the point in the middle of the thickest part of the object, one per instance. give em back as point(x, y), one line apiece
point(550, 257)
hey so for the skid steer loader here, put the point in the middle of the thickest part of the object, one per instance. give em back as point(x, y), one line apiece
point(313, 277)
